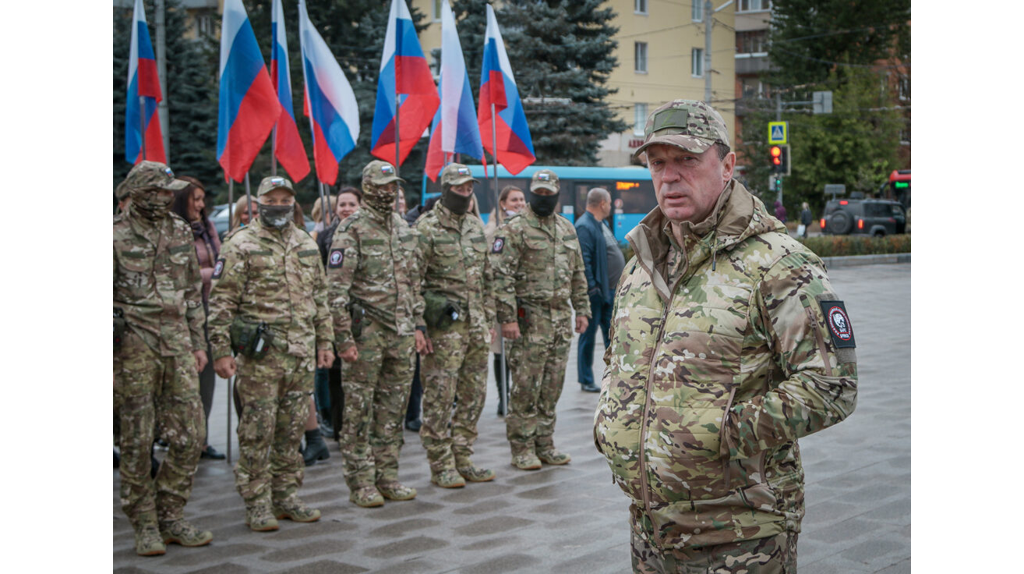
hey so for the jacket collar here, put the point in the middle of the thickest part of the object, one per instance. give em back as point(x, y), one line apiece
point(737, 215)
point(448, 219)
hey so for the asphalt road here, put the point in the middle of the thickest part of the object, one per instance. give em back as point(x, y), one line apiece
point(572, 518)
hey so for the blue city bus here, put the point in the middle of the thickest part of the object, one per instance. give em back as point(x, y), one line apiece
point(631, 189)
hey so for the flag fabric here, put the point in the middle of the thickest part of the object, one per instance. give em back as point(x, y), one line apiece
point(142, 83)
point(455, 129)
point(405, 87)
point(330, 102)
point(248, 104)
point(288, 145)
point(498, 87)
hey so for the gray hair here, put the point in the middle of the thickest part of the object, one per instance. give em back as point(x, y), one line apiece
point(597, 196)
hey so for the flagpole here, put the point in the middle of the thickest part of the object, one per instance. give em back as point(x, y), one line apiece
point(248, 195)
point(502, 382)
point(398, 113)
point(273, 151)
point(142, 124)
point(230, 380)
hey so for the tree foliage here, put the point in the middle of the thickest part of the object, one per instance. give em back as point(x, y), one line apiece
point(855, 50)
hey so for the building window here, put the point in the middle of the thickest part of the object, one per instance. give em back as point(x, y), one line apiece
point(204, 25)
point(753, 88)
point(753, 42)
point(697, 63)
point(754, 5)
point(698, 11)
point(437, 10)
point(639, 6)
point(641, 57)
point(903, 89)
point(639, 119)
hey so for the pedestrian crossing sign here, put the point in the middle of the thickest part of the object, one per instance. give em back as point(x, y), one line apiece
point(778, 133)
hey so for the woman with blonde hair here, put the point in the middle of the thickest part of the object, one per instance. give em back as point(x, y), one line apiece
point(318, 215)
point(240, 216)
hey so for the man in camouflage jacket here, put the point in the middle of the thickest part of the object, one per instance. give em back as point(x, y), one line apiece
point(538, 268)
point(371, 271)
point(270, 273)
point(458, 313)
point(158, 294)
point(727, 345)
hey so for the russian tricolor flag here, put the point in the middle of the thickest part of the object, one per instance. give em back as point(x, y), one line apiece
point(288, 145)
point(142, 83)
point(248, 104)
point(405, 77)
point(330, 102)
point(498, 87)
point(454, 129)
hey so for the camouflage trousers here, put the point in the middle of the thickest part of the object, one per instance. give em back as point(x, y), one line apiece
point(156, 396)
point(537, 361)
point(275, 405)
point(772, 555)
point(456, 368)
point(376, 391)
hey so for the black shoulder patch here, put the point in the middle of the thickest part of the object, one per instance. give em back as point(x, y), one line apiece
point(336, 258)
point(218, 268)
point(499, 244)
point(839, 325)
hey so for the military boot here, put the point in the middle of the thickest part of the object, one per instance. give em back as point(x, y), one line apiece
point(447, 478)
point(471, 472)
point(295, 510)
point(550, 455)
point(316, 448)
point(526, 460)
point(366, 497)
point(148, 541)
point(259, 518)
point(184, 533)
point(394, 490)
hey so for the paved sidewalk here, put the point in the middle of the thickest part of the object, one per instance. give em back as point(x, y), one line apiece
point(572, 518)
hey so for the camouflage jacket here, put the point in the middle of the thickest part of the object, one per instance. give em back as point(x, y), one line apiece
point(715, 368)
point(453, 262)
point(271, 276)
point(157, 282)
point(539, 262)
point(372, 260)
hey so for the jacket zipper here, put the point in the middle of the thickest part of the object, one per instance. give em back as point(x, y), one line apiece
point(644, 486)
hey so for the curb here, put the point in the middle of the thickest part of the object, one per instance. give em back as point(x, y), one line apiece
point(855, 260)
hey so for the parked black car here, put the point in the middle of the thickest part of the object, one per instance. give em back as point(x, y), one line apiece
point(856, 216)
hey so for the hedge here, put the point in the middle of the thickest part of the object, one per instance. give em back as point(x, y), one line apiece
point(840, 245)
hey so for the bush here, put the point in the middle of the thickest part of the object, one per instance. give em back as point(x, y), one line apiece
point(842, 245)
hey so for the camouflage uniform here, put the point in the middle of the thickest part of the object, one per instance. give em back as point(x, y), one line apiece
point(274, 276)
point(724, 350)
point(158, 286)
point(454, 265)
point(538, 260)
point(372, 262)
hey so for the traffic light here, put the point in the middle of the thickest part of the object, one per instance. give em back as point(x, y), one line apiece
point(780, 159)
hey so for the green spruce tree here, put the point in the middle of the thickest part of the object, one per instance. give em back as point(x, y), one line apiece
point(563, 50)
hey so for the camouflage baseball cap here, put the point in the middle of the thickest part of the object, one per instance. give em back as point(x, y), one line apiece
point(456, 174)
point(544, 178)
point(689, 124)
point(148, 174)
point(380, 172)
point(274, 182)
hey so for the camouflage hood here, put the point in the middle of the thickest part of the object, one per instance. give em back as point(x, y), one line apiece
point(737, 216)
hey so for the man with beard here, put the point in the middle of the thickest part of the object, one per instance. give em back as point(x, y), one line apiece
point(458, 312)
point(371, 269)
point(269, 305)
point(538, 267)
point(159, 350)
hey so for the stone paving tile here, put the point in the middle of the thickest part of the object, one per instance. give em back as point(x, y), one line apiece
point(572, 518)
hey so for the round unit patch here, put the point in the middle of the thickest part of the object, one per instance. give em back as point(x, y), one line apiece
point(499, 243)
point(218, 269)
point(839, 323)
point(336, 258)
